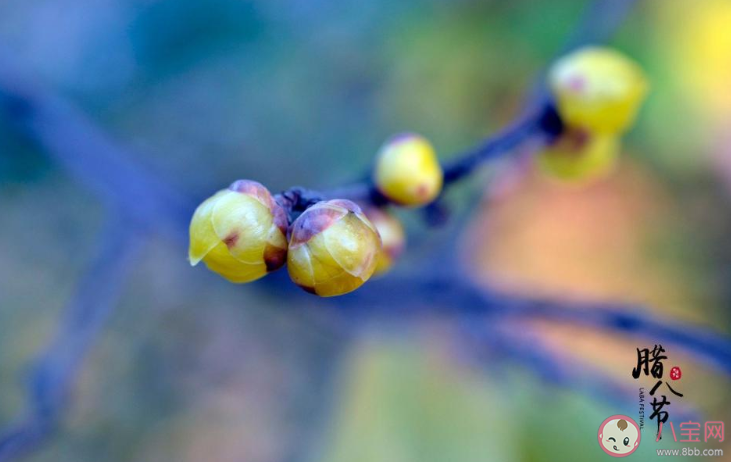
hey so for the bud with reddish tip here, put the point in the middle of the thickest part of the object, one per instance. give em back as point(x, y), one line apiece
point(598, 88)
point(239, 233)
point(407, 171)
point(333, 248)
point(392, 234)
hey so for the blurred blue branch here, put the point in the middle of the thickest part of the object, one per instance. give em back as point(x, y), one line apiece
point(500, 345)
point(539, 122)
point(400, 297)
point(600, 20)
point(704, 343)
point(54, 373)
point(78, 144)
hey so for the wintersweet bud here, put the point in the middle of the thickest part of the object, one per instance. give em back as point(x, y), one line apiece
point(393, 238)
point(239, 233)
point(407, 171)
point(579, 155)
point(598, 88)
point(333, 248)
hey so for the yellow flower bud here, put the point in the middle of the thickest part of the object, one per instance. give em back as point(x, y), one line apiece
point(408, 171)
point(333, 248)
point(392, 234)
point(580, 155)
point(598, 88)
point(240, 233)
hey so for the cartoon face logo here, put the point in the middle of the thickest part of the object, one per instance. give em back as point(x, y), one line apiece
point(619, 436)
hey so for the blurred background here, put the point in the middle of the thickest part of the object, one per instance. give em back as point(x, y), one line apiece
point(303, 92)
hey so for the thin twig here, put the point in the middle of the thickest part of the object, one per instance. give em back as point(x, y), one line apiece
point(543, 123)
point(400, 298)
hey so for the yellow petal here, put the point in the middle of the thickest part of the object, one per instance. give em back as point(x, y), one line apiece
point(338, 285)
point(203, 237)
point(243, 223)
point(598, 88)
point(333, 248)
point(353, 245)
point(220, 260)
point(299, 265)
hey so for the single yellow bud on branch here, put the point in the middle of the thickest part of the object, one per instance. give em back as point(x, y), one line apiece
point(239, 233)
point(393, 238)
point(598, 88)
point(407, 171)
point(579, 155)
point(333, 248)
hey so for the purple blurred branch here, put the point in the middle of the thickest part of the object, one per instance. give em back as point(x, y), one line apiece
point(497, 346)
point(54, 374)
point(89, 154)
point(540, 124)
point(403, 297)
point(599, 20)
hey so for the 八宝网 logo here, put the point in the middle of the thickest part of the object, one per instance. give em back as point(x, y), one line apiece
point(619, 436)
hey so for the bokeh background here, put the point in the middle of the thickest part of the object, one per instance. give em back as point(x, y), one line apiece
point(303, 92)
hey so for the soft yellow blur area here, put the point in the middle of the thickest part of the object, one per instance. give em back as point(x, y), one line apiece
point(607, 241)
point(404, 402)
point(336, 260)
point(230, 232)
point(598, 88)
point(203, 237)
point(408, 171)
point(579, 158)
point(700, 50)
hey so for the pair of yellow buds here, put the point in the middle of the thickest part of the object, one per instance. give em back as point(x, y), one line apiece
point(598, 93)
point(334, 246)
point(241, 234)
